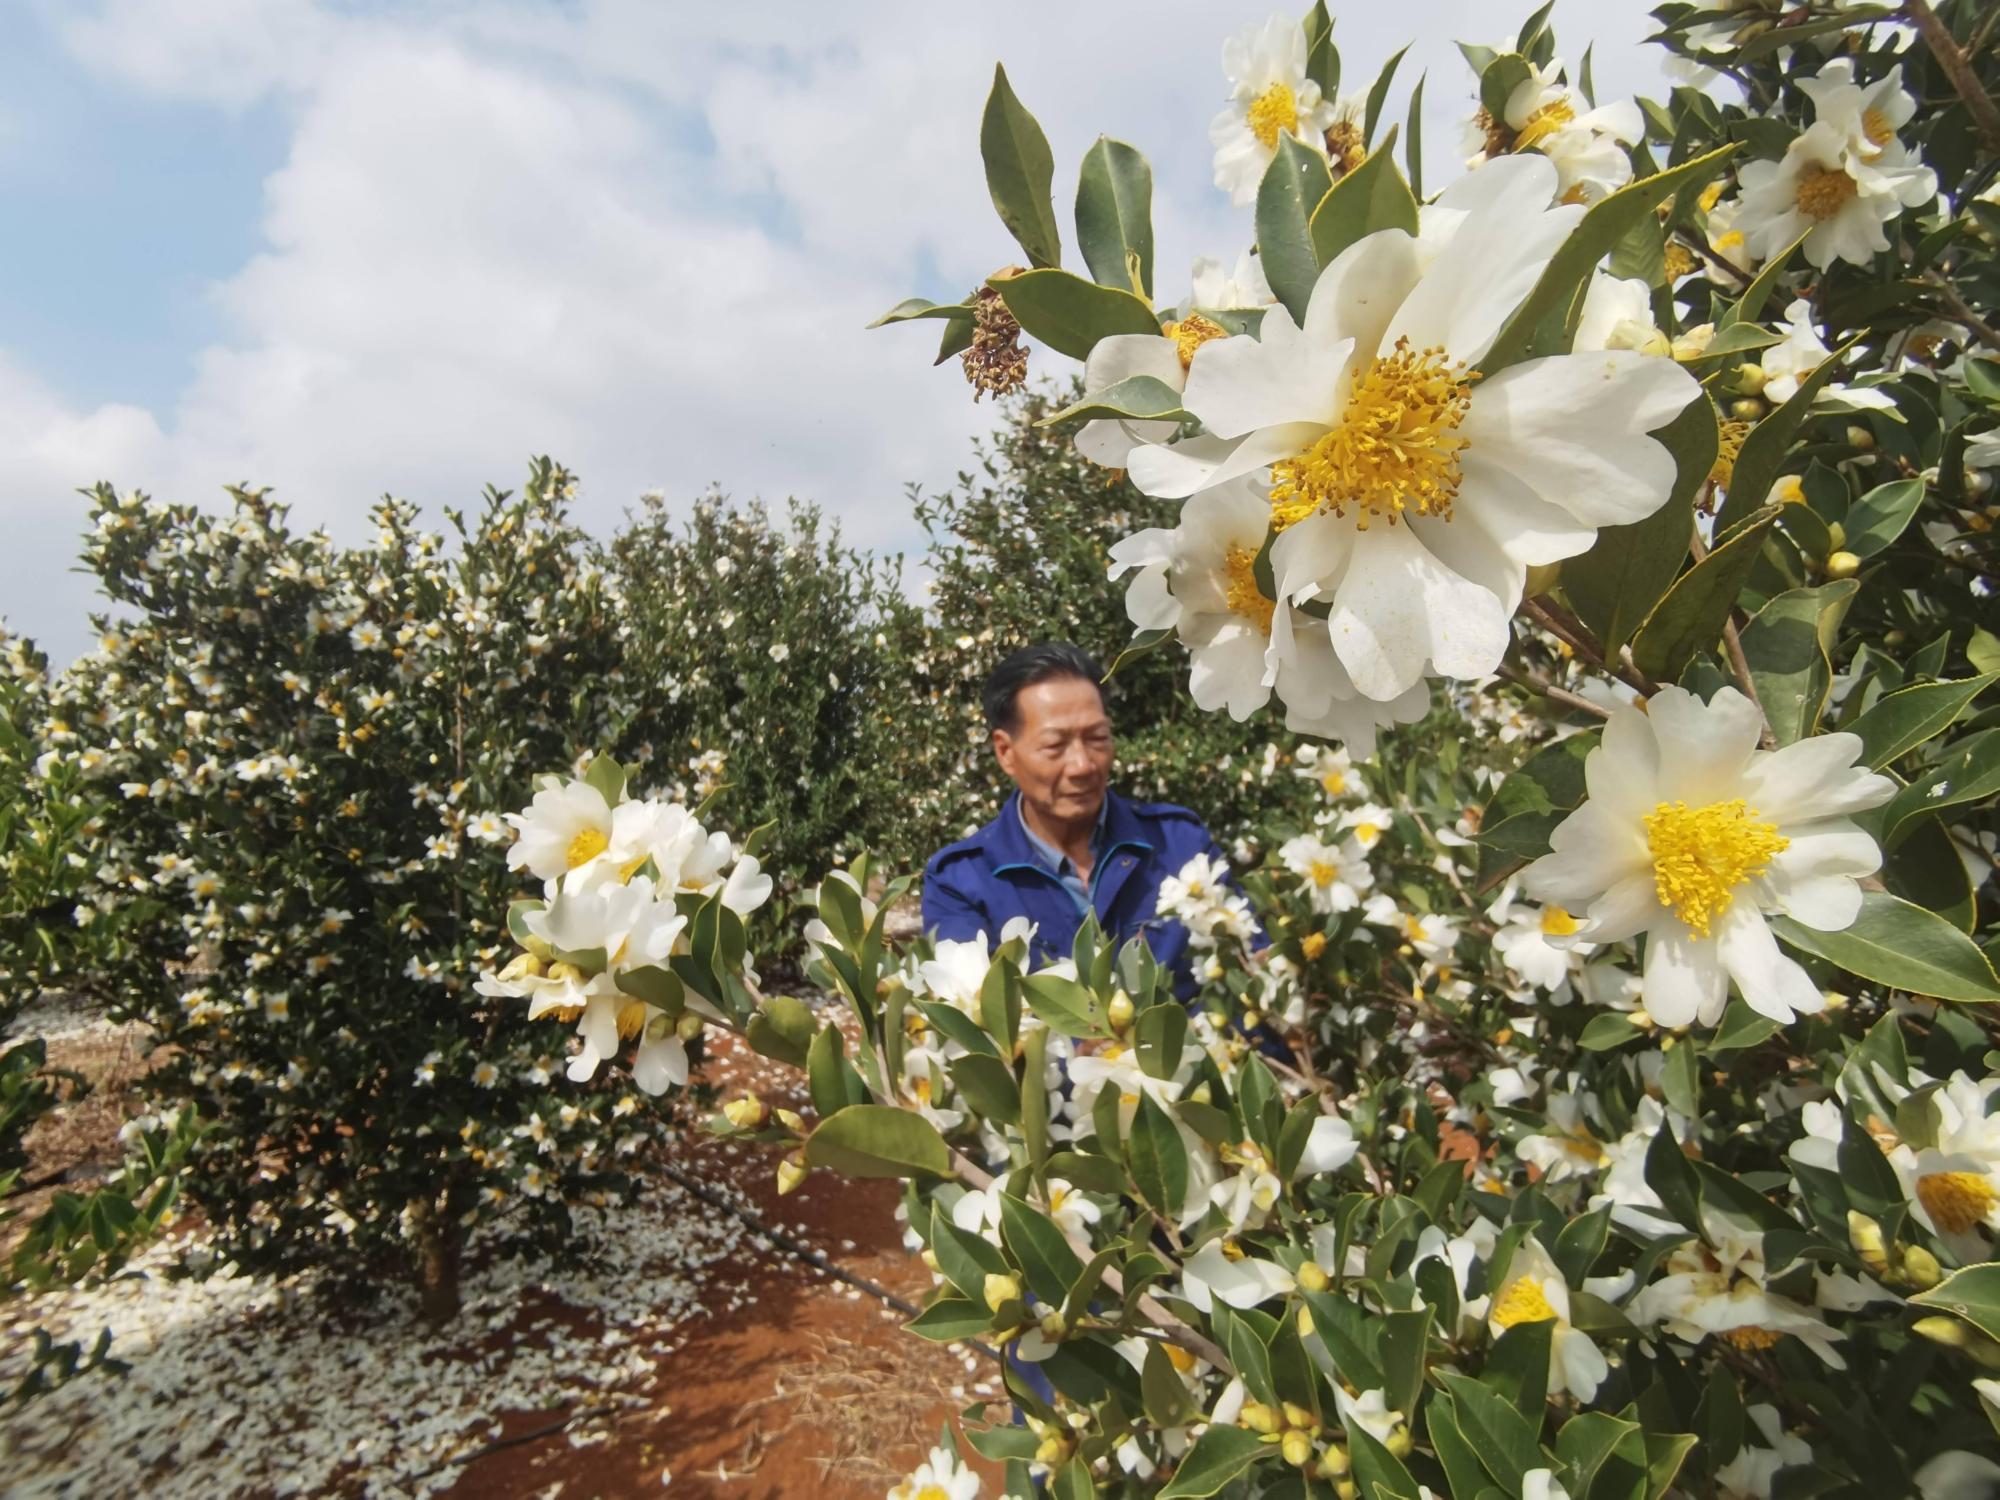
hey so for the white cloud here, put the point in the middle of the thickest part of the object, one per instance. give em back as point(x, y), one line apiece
point(643, 238)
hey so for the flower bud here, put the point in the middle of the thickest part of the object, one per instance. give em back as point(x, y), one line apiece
point(1978, 483)
point(791, 1172)
point(789, 1118)
point(1750, 379)
point(1836, 537)
point(1054, 1329)
point(1842, 565)
point(1298, 1416)
point(524, 966)
point(1398, 1442)
point(1312, 945)
point(1297, 1448)
point(1053, 1451)
point(1921, 1269)
point(1258, 1418)
point(688, 1027)
point(1860, 437)
point(1942, 1330)
point(1311, 1278)
point(1000, 1289)
point(1120, 1012)
point(1865, 1235)
point(746, 1113)
point(1746, 408)
point(1334, 1463)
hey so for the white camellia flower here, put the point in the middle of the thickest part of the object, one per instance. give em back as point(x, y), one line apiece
point(1233, 290)
point(1868, 116)
point(1788, 362)
point(1412, 496)
point(1534, 1291)
point(1200, 581)
point(1691, 834)
point(1587, 145)
point(1755, 1467)
point(1826, 190)
point(1335, 875)
point(1719, 1288)
point(1270, 96)
point(1726, 237)
point(1210, 1275)
point(1566, 1146)
point(1954, 1183)
point(1537, 945)
point(1542, 1484)
point(939, 1477)
point(565, 828)
point(1330, 1145)
point(957, 972)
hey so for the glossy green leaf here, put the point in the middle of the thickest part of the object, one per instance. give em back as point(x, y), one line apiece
point(1508, 1445)
point(1114, 215)
point(878, 1140)
point(1690, 617)
point(1160, 1034)
point(1901, 946)
point(1019, 173)
point(1070, 314)
point(1294, 183)
point(1543, 790)
point(1881, 515)
point(1972, 1294)
point(1044, 1254)
point(950, 1319)
point(1518, 1365)
point(608, 777)
point(1902, 720)
point(1789, 646)
point(1373, 196)
point(989, 1086)
point(1063, 1005)
point(1378, 94)
point(1218, 1456)
point(1968, 771)
point(966, 1259)
point(1137, 398)
point(912, 308)
point(1158, 1158)
point(783, 1030)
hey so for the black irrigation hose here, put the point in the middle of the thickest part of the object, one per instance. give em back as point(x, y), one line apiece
point(802, 1251)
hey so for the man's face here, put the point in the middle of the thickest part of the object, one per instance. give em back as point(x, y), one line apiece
point(1060, 751)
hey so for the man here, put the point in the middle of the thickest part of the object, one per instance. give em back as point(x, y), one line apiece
point(1064, 844)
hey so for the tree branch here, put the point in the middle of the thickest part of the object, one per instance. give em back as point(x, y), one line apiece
point(1978, 103)
point(1732, 643)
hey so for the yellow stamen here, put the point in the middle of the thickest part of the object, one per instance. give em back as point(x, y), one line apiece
point(1824, 192)
point(1729, 444)
point(1729, 239)
point(1680, 260)
point(1957, 1202)
point(1313, 944)
point(1190, 333)
point(631, 1019)
point(1322, 874)
point(1752, 1338)
point(1522, 1302)
point(1702, 854)
point(1272, 113)
point(1243, 595)
point(1333, 783)
point(1875, 125)
point(1543, 123)
point(1179, 1358)
point(586, 846)
point(1710, 196)
point(1558, 923)
point(1345, 147)
point(1395, 447)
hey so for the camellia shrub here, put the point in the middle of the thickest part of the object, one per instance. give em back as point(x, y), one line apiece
point(301, 744)
point(1616, 1122)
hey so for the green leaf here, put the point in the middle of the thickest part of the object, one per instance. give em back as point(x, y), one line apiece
point(1544, 322)
point(1377, 93)
point(1501, 77)
point(1764, 450)
point(1142, 643)
point(1063, 1005)
point(1582, 1240)
point(1669, 1174)
point(1518, 1365)
point(1973, 1294)
point(1413, 150)
point(1880, 516)
point(956, 338)
point(1968, 772)
point(1586, 1441)
point(1543, 790)
point(1750, 306)
point(1789, 647)
point(911, 308)
point(608, 777)
point(1034, 1098)
point(1613, 586)
point(827, 1072)
point(1140, 398)
point(1158, 1158)
point(783, 1030)
point(1680, 1081)
point(1072, 1481)
point(1248, 1352)
point(1405, 1336)
point(1691, 615)
point(1902, 946)
point(1294, 183)
point(1114, 215)
point(1741, 1027)
point(1167, 1400)
point(652, 984)
point(1070, 314)
point(950, 1319)
point(1605, 1032)
point(1161, 1033)
point(1218, 1456)
point(965, 1258)
point(1381, 1474)
point(1019, 173)
point(1507, 1444)
point(1903, 720)
point(878, 1140)
point(1044, 1254)
point(989, 1086)
point(1462, 1468)
point(1373, 196)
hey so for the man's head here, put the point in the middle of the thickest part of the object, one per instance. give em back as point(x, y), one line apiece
point(1050, 729)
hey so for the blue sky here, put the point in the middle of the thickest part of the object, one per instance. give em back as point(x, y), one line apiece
point(346, 248)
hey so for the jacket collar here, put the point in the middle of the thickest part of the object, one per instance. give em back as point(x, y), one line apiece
point(1007, 843)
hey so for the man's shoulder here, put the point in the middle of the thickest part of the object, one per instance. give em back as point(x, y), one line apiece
point(970, 847)
point(1167, 814)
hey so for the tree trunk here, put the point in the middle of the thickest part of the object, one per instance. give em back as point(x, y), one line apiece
point(438, 1247)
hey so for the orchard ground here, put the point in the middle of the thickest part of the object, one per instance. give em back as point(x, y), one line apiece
point(698, 1354)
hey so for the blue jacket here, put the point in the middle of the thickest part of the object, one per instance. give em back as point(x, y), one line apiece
point(977, 884)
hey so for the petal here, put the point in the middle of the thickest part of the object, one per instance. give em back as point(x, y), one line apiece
point(1176, 470)
point(1814, 778)
point(1573, 430)
point(1705, 749)
point(1625, 910)
point(1123, 355)
point(1399, 606)
point(1360, 290)
point(1310, 557)
point(1142, 549)
point(1685, 982)
point(1623, 772)
point(1148, 603)
point(1238, 385)
point(1228, 671)
point(1472, 552)
point(1771, 984)
point(1590, 851)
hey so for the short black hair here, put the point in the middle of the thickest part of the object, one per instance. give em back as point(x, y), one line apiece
point(1028, 666)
